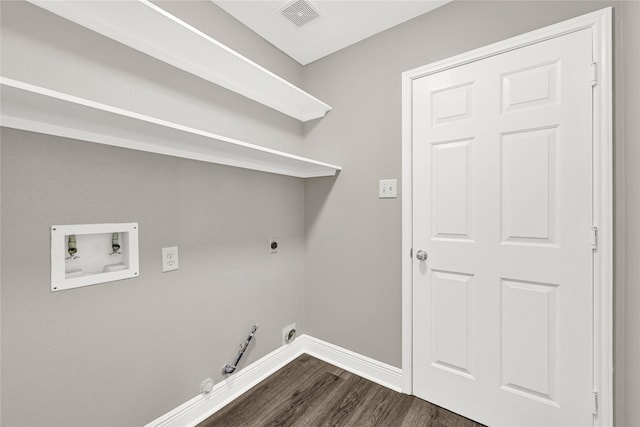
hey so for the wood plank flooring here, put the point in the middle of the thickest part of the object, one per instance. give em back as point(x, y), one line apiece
point(310, 392)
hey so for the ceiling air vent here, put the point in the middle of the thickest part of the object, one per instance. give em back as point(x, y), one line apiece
point(300, 12)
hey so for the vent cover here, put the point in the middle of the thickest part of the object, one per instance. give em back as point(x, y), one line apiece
point(300, 12)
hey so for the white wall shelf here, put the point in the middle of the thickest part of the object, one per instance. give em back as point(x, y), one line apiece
point(167, 38)
point(37, 109)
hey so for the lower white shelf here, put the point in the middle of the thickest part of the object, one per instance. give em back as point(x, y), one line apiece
point(33, 108)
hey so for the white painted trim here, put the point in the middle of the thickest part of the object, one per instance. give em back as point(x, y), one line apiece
point(407, 238)
point(603, 216)
point(371, 369)
point(590, 20)
point(173, 41)
point(600, 24)
point(38, 109)
point(203, 406)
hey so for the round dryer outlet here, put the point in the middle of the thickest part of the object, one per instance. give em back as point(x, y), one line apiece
point(288, 334)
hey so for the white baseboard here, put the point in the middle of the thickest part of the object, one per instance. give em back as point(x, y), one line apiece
point(203, 406)
point(371, 369)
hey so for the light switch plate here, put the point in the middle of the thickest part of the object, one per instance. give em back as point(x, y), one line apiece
point(170, 259)
point(388, 189)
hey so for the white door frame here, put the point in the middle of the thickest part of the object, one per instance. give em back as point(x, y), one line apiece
point(600, 23)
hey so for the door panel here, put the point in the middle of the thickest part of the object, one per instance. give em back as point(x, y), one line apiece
point(503, 205)
point(529, 185)
point(451, 322)
point(529, 324)
point(450, 189)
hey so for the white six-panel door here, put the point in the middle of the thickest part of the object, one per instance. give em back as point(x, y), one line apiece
point(502, 205)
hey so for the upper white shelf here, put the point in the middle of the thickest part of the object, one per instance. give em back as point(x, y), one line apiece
point(37, 109)
point(146, 27)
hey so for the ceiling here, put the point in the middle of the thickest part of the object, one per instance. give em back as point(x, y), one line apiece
point(341, 22)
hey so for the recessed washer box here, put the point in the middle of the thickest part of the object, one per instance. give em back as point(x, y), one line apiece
point(88, 254)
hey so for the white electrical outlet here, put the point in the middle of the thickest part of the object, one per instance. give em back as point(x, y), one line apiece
point(388, 189)
point(288, 334)
point(170, 259)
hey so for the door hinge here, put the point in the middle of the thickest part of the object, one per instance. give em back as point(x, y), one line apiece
point(411, 253)
point(595, 402)
point(594, 73)
point(594, 238)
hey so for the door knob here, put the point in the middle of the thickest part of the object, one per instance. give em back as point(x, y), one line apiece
point(422, 255)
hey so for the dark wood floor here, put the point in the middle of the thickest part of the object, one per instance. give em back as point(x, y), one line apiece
point(310, 392)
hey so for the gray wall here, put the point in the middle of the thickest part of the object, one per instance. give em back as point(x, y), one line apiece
point(353, 264)
point(124, 353)
point(631, 296)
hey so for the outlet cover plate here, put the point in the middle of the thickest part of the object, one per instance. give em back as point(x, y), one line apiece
point(285, 332)
point(170, 259)
point(388, 189)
